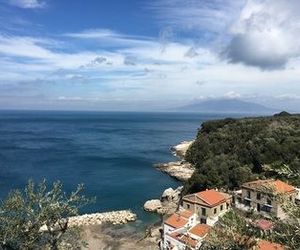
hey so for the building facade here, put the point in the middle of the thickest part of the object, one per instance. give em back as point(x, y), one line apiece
point(207, 205)
point(262, 196)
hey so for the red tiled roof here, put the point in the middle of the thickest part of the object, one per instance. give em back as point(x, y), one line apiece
point(267, 245)
point(176, 221)
point(211, 197)
point(184, 238)
point(278, 185)
point(188, 241)
point(185, 213)
point(263, 224)
point(200, 230)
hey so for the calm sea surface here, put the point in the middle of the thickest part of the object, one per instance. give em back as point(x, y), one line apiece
point(111, 153)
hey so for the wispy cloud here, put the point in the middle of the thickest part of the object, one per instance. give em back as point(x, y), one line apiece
point(111, 38)
point(28, 4)
point(197, 15)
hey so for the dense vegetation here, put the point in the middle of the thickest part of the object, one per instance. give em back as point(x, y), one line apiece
point(229, 152)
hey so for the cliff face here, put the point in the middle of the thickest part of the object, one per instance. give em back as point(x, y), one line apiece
point(229, 152)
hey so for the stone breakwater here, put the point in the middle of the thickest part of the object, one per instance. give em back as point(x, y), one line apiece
point(114, 217)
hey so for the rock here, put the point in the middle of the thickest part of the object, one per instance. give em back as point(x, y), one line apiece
point(114, 217)
point(152, 205)
point(181, 149)
point(167, 195)
point(180, 170)
point(171, 195)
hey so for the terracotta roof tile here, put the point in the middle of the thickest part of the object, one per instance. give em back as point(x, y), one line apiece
point(212, 197)
point(200, 230)
point(278, 185)
point(263, 224)
point(188, 241)
point(267, 245)
point(185, 213)
point(176, 221)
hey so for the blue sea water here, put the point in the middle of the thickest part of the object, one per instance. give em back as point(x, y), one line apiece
point(111, 153)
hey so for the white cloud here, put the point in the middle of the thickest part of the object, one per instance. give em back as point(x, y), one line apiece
point(110, 38)
point(178, 73)
point(232, 95)
point(267, 34)
point(204, 15)
point(28, 4)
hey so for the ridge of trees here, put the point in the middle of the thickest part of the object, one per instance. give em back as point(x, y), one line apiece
point(228, 152)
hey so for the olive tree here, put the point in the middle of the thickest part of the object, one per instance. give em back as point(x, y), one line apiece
point(38, 217)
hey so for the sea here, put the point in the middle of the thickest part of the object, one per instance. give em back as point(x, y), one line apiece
point(111, 153)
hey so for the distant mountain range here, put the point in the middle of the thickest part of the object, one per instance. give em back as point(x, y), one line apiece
point(227, 106)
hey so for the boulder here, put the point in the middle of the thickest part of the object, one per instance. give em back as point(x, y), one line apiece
point(152, 205)
point(171, 195)
point(167, 195)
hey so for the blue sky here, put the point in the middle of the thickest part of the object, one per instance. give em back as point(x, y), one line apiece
point(148, 55)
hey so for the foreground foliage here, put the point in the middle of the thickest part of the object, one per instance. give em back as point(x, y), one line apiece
point(228, 152)
point(37, 218)
point(232, 232)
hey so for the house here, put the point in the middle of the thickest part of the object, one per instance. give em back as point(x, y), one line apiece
point(189, 237)
point(267, 245)
point(260, 196)
point(208, 205)
point(177, 222)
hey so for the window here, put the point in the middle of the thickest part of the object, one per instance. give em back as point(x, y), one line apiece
point(215, 211)
point(227, 206)
point(269, 202)
point(248, 194)
point(221, 208)
point(203, 211)
point(258, 207)
point(266, 209)
point(247, 203)
point(202, 221)
point(258, 196)
point(188, 206)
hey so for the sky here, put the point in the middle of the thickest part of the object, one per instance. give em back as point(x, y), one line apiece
point(148, 55)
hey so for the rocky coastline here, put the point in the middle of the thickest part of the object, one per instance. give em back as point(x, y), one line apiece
point(167, 204)
point(180, 170)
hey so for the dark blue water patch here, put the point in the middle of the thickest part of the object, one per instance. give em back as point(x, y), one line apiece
point(112, 153)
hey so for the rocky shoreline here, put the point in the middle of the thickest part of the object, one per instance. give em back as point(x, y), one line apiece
point(180, 170)
point(167, 204)
point(113, 217)
point(181, 149)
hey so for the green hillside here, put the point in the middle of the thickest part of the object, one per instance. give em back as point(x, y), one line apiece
point(229, 152)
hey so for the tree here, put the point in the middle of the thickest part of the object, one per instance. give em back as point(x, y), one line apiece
point(232, 232)
point(38, 217)
point(229, 152)
point(287, 232)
